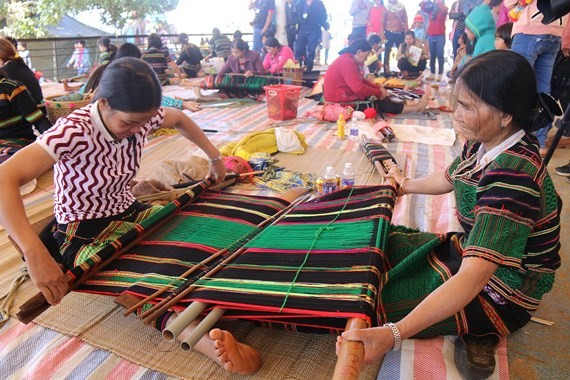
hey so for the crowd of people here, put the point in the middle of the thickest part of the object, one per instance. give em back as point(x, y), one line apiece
point(483, 284)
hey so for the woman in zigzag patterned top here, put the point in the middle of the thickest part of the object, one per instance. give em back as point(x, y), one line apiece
point(96, 151)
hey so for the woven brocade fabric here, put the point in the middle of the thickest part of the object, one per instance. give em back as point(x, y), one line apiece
point(312, 270)
point(211, 223)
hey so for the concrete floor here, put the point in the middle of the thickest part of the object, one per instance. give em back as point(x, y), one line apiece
point(538, 351)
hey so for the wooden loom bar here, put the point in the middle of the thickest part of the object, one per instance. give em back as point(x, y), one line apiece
point(351, 353)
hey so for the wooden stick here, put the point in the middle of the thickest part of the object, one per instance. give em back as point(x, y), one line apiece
point(158, 309)
point(38, 304)
point(351, 354)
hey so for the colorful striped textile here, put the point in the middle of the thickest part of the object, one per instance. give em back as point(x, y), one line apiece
point(313, 269)
point(434, 359)
point(214, 222)
point(34, 352)
point(239, 86)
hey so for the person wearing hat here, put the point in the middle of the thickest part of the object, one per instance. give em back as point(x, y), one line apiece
point(419, 27)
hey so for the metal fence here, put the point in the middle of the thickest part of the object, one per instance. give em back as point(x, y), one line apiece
point(50, 56)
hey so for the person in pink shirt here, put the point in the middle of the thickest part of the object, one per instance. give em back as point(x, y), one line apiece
point(276, 56)
point(376, 20)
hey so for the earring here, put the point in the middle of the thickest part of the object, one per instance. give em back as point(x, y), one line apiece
point(502, 126)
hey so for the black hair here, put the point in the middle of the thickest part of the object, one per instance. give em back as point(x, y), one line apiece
point(494, 3)
point(238, 34)
point(410, 33)
point(130, 85)
point(3, 74)
point(356, 46)
point(268, 33)
point(24, 44)
point(13, 40)
point(216, 32)
point(468, 44)
point(374, 39)
point(272, 42)
point(129, 50)
point(504, 32)
point(154, 41)
point(82, 43)
point(240, 45)
point(506, 81)
point(183, 38)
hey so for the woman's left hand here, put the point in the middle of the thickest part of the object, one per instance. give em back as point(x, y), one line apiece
point(377, 341)
point(217, 171)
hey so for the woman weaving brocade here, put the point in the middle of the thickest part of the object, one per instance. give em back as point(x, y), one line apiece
point(96, 152)
point(488, 280)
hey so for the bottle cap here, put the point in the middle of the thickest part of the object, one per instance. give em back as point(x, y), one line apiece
point(329, 170)
point(340, 116)
point(348, 165)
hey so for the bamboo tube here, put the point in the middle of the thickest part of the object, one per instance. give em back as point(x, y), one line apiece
point(202, 328)
point(351, 354)
point(183, 320)
point(157, 310)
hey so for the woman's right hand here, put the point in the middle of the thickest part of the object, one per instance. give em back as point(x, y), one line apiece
point(47, 276)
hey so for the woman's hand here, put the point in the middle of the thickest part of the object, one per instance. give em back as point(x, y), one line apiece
point(217, 170)
point(248, 73)
point(377, 341)
point(47, 276)
point(396, 174)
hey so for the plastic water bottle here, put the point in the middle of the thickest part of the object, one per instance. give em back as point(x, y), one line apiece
point(347, 175)
point(353, 130)
point(340, 124)
point(330, 181)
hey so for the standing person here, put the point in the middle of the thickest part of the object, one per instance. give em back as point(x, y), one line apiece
point(276, 56)
point(159, 59)
point(291, 22)
point(476, 283)
point(360, 12)
point(19, 113)
point(220, 45)
point(80, 58)
point(15, 69)
point(458, 28)
point(419, 27)
point(539, 44)
point(395, 25)
point(242, 60)
point(107, 49)
point(437, 12)
point(25, 54)
point(376, 20)
point(469, 5)
point(480, 28)
point(262, 22)
point(190, 57)
point(312, 16)
point(326, 42)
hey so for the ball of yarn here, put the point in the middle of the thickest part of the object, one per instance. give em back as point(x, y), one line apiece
point(238, 165)
point(370, 113)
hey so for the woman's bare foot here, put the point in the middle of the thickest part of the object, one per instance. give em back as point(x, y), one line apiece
point(222, 347)
point(235, 356)
point(416, 107)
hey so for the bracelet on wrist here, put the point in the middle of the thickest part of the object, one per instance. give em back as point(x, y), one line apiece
point(401, 185)
point(397, 336)
point(219, 157)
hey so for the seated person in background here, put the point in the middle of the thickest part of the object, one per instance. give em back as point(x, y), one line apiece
point(16, 69)
point(18, 114)
point(128, 50)
point(159, 59)
point(375, 57)
point(503, 38)
point(462, 56)
point(489, 280)
point(190, 57)
point(107, 49)
point(406, 63)
point(220, 45)
point(242, 60)
point(276, 56)
point(345, 83)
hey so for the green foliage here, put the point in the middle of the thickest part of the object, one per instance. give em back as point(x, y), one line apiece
point(31, 18)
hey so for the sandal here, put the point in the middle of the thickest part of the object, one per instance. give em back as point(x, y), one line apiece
point(475, 355)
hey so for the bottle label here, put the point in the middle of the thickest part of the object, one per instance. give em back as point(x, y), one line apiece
point(348, 182)
point(329, 186)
